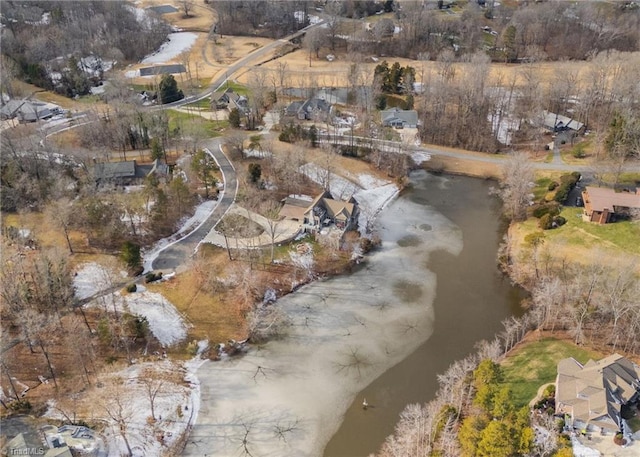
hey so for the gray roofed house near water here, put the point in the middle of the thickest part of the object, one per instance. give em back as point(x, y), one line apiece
point(399, 118)
point(593, 394)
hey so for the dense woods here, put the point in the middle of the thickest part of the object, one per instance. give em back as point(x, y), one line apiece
point(44, 37)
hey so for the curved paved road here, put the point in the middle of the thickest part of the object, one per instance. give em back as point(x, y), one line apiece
point(177, 253)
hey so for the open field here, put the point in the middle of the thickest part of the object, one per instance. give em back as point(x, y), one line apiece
point(584, 242)
point(534, 362)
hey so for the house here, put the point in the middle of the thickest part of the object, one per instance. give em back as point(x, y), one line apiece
point(559, 123)
point(294, 207)
point(28, 110)
point(312, 109)
point(399, 118)
point(229, 100)
point(127, 173)
point(591, 396)
point(602, 205)
point(325, 211)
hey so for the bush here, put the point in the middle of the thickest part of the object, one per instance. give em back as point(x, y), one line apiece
point(619, 439)
point(131, 288)
point(549, 208)
point(567, 182)
point(546, 222)
point(20, 405)
point(553, 185)
point(151, 277)
point(559, 221)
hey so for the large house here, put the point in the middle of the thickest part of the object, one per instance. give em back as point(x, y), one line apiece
point(127, 173)
point(592, 395)
point(312, 109)
point(559, 123)
point(399, 118)
point(28, 110)
point(602, 205)
point(322, 211)
point(229, 100)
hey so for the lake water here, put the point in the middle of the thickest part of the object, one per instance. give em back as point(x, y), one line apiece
point(472, 298)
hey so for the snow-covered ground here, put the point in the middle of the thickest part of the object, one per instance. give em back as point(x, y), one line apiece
point(91, 278)
point(177, 44)
point(165, 322)
point(176, 405)
point(372, 194)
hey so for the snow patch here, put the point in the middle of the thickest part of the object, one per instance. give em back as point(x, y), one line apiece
point(90, 279)
point(177, 44)
point(165, 322)
point(420, 157)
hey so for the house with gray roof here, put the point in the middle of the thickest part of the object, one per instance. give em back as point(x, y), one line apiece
point(127, 173)
point(28, 110)
point(312, 109)
point(399, 118)
point(559, 123)
point(591, 396)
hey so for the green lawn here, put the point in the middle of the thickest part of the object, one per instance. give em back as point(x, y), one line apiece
point(236, 87)
point(182, 120)
point(204, 103)
point(622, 234)
point(535, 363)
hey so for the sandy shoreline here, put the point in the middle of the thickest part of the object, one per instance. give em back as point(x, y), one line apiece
point(289, 396)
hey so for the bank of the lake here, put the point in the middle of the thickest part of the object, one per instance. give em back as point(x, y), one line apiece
point(472, 298)
point(353, 334)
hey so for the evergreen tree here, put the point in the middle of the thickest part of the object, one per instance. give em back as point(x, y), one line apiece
point(255, 172)
point(169, 91)
point(234, 118)
point(130, 254)
point(204, 166)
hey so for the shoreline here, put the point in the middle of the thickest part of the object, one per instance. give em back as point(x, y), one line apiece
point(288, 396)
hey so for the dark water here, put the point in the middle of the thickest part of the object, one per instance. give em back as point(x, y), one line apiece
point(472, 298)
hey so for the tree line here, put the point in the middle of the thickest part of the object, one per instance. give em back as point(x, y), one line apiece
point(33, 47)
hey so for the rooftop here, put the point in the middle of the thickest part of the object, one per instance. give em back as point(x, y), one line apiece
point(602, 198)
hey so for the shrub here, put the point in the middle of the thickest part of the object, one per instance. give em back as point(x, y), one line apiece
point(20, 405)
point(548, 208)
point(619, 439)
point(559, 221)
point(131, 288)
point(553, 185)
point(151, 277)
point(546, 222)
point(567, 182)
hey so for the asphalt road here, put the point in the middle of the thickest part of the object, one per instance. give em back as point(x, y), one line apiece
point(179, 252)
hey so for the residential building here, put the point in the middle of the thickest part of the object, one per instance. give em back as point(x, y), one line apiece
point(312, 109)
point(28, 110)
point(591, 396)
point(604, 205)
point(325, 211)
point(128, 172)
point(559, 123)
point(229, 100)
point(399, 118)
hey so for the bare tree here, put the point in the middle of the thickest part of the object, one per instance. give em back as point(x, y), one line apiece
point(153, 384)
point(516, 185)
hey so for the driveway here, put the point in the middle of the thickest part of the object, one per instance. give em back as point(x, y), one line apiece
point(179, 252)
point(283, 231)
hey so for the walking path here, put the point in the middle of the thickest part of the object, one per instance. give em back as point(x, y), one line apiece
point(274, 231)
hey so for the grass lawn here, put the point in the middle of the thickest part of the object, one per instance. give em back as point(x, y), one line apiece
point(535, 363)
point(204, 103)
point(623, 235)
point(236, 87)
point(178, 119)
